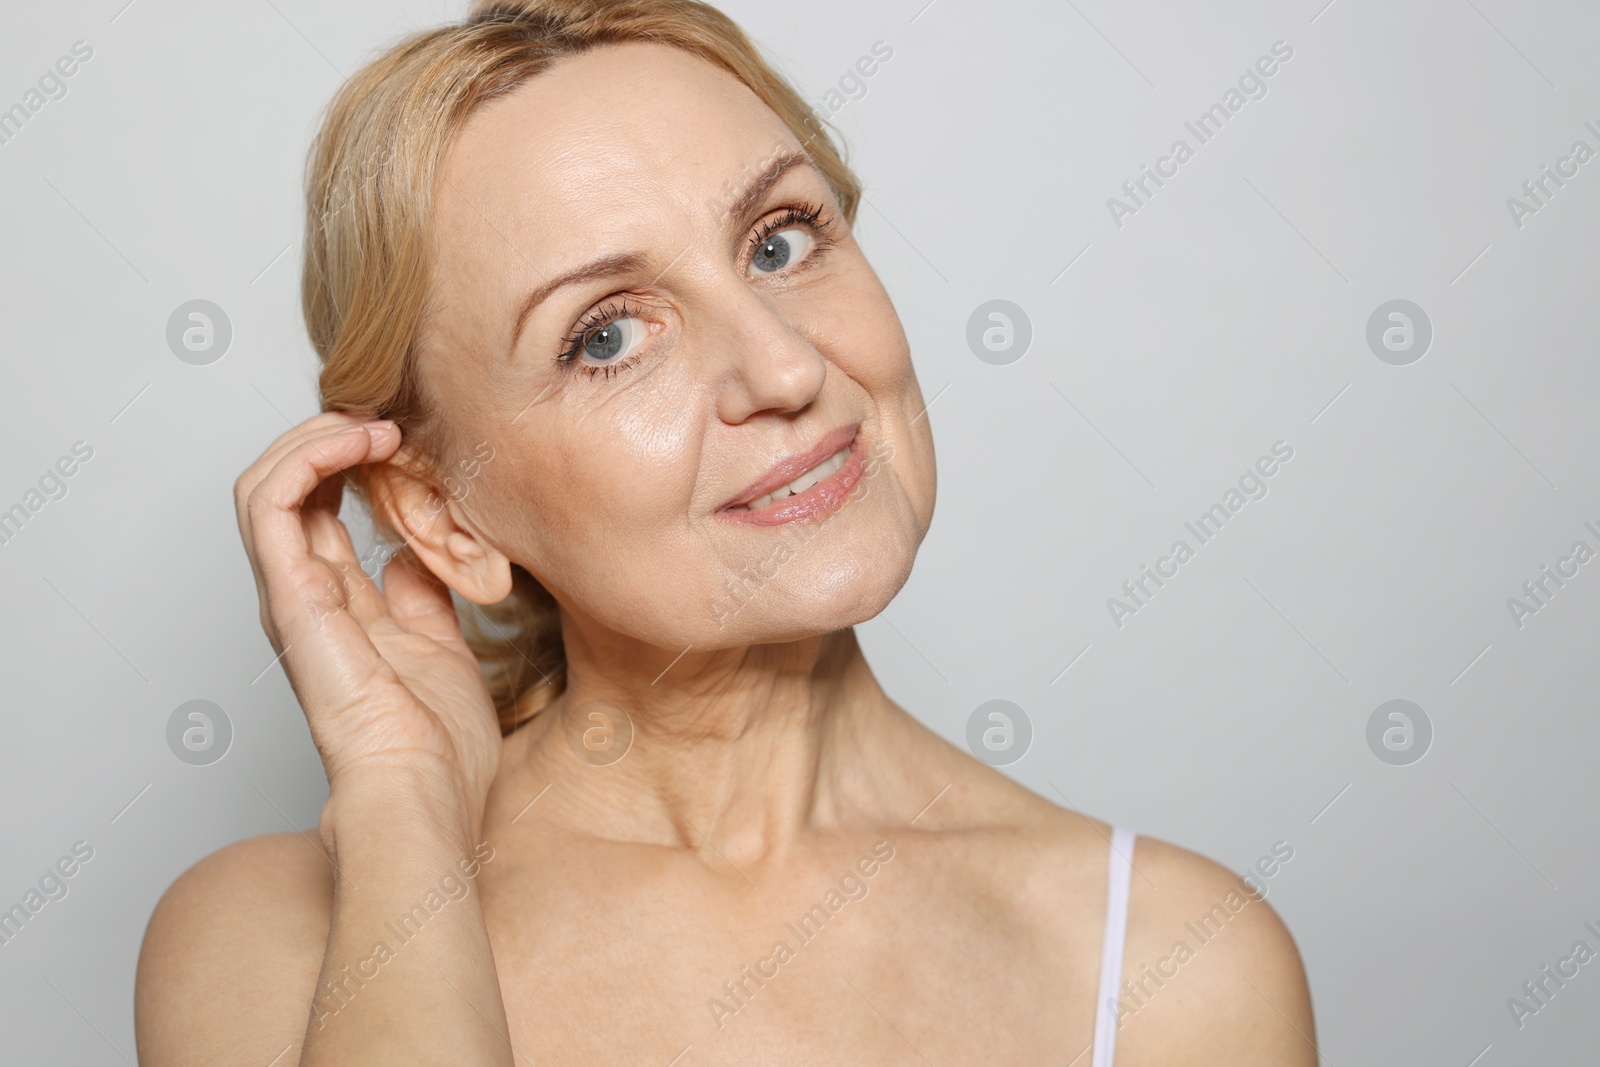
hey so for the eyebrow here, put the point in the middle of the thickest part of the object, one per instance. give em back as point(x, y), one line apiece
point(769, 177)
point(635, 262)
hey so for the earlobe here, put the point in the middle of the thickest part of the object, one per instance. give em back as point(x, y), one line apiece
point(445, 541)
point(480, 572)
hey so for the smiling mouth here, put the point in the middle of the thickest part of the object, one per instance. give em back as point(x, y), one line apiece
point(802, 483)
point(820, 488)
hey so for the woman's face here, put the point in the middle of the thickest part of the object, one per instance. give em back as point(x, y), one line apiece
point(710, 338)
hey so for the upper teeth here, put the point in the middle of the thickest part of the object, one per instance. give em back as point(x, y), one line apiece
point(805, 481)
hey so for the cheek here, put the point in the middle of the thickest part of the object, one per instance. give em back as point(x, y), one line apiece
point(862, 332)
point(604, 537)
point(872, 349)
point(914, 464)
point(653, 431)
point(594, 495)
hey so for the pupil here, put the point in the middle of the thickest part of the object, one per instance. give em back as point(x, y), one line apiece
point(605, 342)
point(773, 254)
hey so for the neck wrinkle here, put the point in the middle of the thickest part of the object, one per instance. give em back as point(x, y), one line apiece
point(734, 754)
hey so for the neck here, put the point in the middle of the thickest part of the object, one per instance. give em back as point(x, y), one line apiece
point(733, 753)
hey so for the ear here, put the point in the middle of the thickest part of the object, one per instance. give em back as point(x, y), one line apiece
point(435, 526)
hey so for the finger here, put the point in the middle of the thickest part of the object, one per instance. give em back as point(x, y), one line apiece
point(247, 533)
point(273, 511)
point(420, 602)
point(316, 426)
point(326, 533)
point(350, 589)
point(310, 430)
point(329, 540)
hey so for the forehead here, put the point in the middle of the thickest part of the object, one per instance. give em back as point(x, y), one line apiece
point(603, 138)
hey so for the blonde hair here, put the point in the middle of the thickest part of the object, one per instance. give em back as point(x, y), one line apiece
point(370, 182)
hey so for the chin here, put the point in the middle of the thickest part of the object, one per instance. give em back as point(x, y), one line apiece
point(831, 595)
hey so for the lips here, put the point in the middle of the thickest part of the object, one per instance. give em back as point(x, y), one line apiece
point(824, 477)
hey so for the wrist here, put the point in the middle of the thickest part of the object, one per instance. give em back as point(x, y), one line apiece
point(409, 800)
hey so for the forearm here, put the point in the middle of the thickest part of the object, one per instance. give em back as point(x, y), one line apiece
point(408, 975)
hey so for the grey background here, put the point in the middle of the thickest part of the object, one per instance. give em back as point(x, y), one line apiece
point(1229, 313)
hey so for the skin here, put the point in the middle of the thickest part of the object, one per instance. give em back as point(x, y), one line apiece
point(766, 764)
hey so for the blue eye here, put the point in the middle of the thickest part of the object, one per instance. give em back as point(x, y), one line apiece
point(614, 340)
point(781, 249)
point(602, 341)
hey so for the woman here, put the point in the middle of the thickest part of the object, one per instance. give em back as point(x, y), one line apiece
point(602, 354)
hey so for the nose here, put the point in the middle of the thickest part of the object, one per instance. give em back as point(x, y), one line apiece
point(764, 359)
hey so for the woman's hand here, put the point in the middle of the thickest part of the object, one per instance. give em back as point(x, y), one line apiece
point(390, 689)
point(407, 731)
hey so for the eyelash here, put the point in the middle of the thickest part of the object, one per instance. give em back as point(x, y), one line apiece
point(811, 216)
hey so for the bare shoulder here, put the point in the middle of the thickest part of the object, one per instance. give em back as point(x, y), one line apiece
point(1210, 972)
point(231, 955)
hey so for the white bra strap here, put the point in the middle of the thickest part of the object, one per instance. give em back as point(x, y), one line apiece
point(1111, 947)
